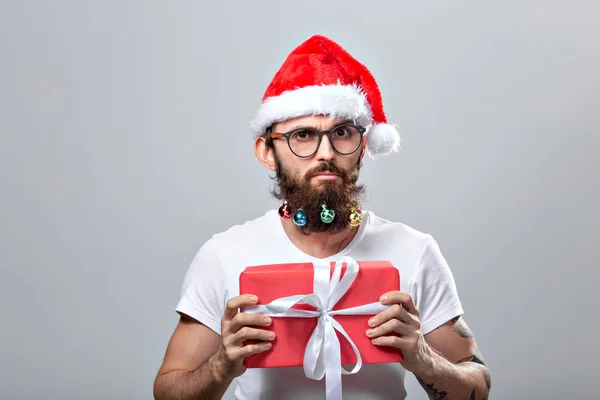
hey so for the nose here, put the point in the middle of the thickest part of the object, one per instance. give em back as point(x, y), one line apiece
point(325, 151)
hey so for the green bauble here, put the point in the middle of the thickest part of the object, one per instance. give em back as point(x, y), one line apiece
point(327, 214)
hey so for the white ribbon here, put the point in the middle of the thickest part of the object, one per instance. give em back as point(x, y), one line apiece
point(322, 356)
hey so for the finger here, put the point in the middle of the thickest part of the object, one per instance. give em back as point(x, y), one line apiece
point(233, 304)
point(403, 298)
point(395, 311)
point(391, 326)
point(391, 341)
point(252, 349)
point(245, 319)
point(247, 333)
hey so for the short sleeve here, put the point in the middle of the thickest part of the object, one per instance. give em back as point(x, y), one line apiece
point(204, 289)
point(434, 289)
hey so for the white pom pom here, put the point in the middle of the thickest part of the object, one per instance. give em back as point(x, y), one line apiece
point(382, 140)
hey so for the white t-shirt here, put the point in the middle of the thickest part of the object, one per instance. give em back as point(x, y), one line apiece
point(213, 278)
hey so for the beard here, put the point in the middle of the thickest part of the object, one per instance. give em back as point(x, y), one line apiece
point(341, 197)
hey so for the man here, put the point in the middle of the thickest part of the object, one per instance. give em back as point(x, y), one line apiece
point(319, 117)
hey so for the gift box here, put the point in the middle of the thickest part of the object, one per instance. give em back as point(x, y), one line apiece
point(368, 281)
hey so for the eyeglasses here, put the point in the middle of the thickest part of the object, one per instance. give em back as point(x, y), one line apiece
point(304, 142)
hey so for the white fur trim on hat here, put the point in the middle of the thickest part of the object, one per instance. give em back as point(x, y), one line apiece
point(382, 139)
point(336, 101)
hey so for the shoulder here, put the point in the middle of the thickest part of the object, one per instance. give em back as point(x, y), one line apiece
point(398, 234)
point(249, 233)
point(240, 238)
point(212, 255)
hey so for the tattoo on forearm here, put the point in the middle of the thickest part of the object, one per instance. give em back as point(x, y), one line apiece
point(433, 392)
point(487, 377)
point(474, 358)
point(438, 394)
point(461, 327)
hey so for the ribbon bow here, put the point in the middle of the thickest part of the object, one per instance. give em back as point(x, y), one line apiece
point(322, 356)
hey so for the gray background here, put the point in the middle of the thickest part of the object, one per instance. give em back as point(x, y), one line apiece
point(124, 146)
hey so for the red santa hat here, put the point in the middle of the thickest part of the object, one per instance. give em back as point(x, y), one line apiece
point(319, 77)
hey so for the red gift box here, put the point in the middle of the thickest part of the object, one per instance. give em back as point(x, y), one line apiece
point(270, 282)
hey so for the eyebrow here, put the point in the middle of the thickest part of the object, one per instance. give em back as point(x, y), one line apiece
point(344, 122)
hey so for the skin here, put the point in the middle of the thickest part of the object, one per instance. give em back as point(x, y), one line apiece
point(199, 363)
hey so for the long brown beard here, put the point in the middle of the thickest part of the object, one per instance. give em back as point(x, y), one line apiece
point(300, 194)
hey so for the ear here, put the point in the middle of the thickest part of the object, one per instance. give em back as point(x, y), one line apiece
point(264, 153)
point(364, 147)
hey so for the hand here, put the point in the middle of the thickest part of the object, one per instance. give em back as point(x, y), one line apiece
point(399, 326)
point(235, 330)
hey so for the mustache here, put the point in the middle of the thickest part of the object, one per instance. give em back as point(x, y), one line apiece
point(326, 166)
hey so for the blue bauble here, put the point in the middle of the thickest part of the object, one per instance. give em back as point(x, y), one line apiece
point(300, 218)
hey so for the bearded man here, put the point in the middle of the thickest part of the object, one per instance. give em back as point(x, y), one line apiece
point(320, 116)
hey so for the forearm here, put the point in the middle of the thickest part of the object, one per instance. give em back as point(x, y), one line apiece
point(468, 379)
point(205, 382)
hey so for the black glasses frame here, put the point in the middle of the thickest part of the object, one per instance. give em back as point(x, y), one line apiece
point(320, 134)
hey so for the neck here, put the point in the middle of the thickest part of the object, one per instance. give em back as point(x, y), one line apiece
point(319, 245)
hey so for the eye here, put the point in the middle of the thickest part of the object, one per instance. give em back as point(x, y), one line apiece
point(305, 134)
point(341, 132)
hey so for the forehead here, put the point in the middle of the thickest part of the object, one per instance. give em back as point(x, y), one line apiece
point(315, 121)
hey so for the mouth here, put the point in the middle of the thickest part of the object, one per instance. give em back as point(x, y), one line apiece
point(326, 175)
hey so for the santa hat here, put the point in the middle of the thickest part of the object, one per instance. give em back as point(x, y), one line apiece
point(319, 77)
